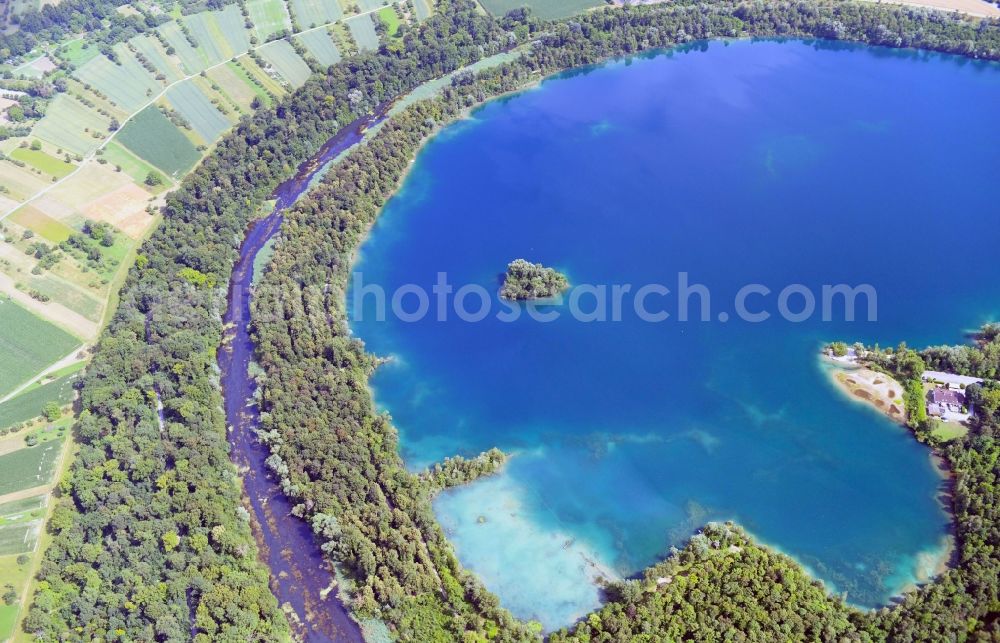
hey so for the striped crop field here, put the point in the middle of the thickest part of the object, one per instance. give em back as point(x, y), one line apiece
point(312, 13)
point(363, 31)
point(191, 58)
point(286, 62)
point(128, 85)
point(66, 124)
point(319, 43)
point(268, 17)
point(153, 51)
point(198, 110)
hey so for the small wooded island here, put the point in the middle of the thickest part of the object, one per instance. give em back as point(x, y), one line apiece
point(525, 280)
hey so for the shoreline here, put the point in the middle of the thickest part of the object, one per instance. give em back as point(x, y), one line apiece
point(850, 379)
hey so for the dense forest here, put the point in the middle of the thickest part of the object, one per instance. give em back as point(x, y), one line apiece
point(151, 539)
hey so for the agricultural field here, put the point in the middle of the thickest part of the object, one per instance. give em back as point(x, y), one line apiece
point(19, 538)
point(363, 31)
point(544, 9)
point(29, 404)
point(20, 182)
point(20, 510)
point(198, 110)
point(70, 125)
point(27, 345)
point(154, 52)
point(253, 71)
point(192, 61)
point(268, 17)
point(136, 169)
point(319, 43)
point(312, 13)
point(155, 139)
point(283, 59)
point(422, 9)
point(237, 86)
point(128, 85)
point(220, 34)
point(369, 5)
point(28, 467)
point(44, 162)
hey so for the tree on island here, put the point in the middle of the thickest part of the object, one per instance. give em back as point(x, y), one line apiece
point(525, 280)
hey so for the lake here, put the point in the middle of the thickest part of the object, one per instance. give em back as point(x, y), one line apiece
point(727, 164)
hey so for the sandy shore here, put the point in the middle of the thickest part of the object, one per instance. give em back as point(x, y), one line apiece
point(875, 389)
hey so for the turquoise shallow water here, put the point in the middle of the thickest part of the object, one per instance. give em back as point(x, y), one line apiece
point(765, 162)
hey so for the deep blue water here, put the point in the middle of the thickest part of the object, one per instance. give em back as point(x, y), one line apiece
point(767, 162)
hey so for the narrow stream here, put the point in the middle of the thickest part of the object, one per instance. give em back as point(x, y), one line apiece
point(300, 577)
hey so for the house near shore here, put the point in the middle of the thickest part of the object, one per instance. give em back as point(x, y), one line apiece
point(947, 404)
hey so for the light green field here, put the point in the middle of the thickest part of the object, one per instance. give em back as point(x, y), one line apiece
point(44, 162)
point(129, 85)
point(369, 5)
point(544, 9)
point(66, 122)
point(50, 229)
point(152, 49)
point(78, 52)
point(28, 467)
point(135, 167)
point(27, 345)
point(286, 62)
point(391, 20)
point(312, 13)
point(363, 31)
point(28, 405)
point(152, 137)
point(192, 60)
point(319, 43)
point(268, 17)
point(198, 110)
